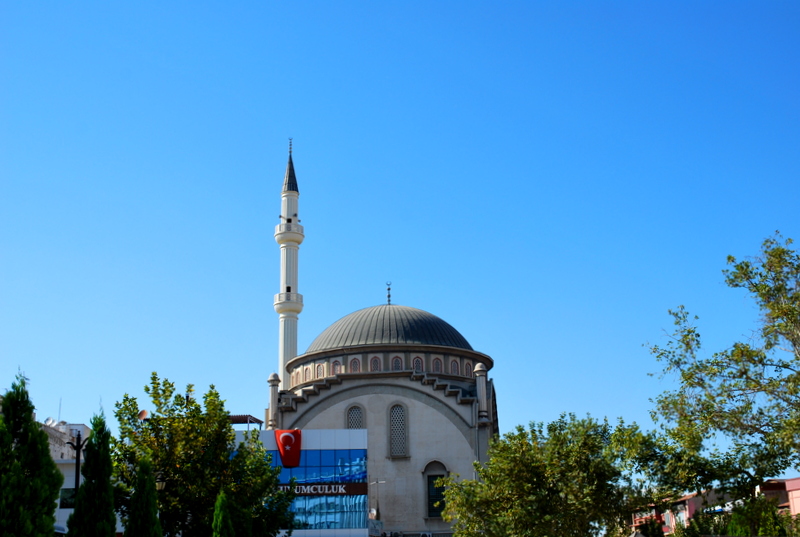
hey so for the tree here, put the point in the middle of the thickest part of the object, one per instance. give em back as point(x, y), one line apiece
point(192, 450)
point(143, 520)
point(29, 479)
point(223, 525)
point(564, 479)
point(94, 514)
point(747, 395)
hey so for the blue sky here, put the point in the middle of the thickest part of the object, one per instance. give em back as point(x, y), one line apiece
point(548, 177)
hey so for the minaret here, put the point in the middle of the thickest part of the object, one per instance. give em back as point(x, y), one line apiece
point(288, 302)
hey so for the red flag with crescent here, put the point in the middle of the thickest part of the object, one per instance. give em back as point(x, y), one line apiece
point(289, 447)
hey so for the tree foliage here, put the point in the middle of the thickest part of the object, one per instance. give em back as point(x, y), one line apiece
point(223, 525)
point(192, 450)
point(567, 478)
point(751, 390)
point(747, 395)
point(29, 479)
point(94, 514)
point(143, 515)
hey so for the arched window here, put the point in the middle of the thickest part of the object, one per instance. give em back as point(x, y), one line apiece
point(397, 364)
point(434, 495)
point(398, 446)
point(355, 365)
point(437, 366)
point(337, 367)
point(320, 371)
point(468, 369)
point(307, 374)
point(454, 368)
point(355, 417)
point(375, 364)
point(417, 364)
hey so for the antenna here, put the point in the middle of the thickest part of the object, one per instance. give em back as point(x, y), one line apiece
point(389, 293)
point(59, 408)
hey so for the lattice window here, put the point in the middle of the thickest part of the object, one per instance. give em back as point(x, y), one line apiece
point(320, 371)
point(454, 368)
point(418, 364)
point(397, 432)
point(397, 364)
point(355, 365)
point(468, 369)
point(307, 374)
point(375, 365)
point(437, 366)
point(355, 418)
point(337, 367)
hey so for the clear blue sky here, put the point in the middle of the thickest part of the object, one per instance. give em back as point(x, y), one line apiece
point(548, 177)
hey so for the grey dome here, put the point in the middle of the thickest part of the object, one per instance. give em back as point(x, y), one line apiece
point(388, 324)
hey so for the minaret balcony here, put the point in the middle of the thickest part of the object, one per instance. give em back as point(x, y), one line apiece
point(288, 302)
point(289, 233)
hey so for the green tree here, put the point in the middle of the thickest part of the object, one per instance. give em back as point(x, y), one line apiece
point(29, 479)
point(565, 479)
point(94, 514)
point(192, 449)
point(223, 525)
point(143, 520)
point(258, 508)
point(746, 396)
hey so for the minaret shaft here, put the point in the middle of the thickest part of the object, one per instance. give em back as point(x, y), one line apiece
point(288, 302)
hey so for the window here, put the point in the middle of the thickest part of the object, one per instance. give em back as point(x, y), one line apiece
point(417, 364)
point(434, 495)
point(355, 365)
point(397, 364)
point(375, 364)
point(355, 418)
point(398, 447)
point(454, 368)
point(437, 366)
point(337, 367)
point(468, 369)
point(307, 374)
point(320, 371)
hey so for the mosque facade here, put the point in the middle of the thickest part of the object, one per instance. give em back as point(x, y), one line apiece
point(405, 376)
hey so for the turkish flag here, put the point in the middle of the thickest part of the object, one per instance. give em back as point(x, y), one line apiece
point(289, 447)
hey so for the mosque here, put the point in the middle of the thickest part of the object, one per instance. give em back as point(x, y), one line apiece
point(404, 378)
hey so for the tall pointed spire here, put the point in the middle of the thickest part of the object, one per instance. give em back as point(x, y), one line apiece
point(289, 180)
point(288, 302)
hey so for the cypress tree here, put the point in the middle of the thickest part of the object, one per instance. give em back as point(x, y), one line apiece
point(143, 516)
point(29, 479)
point(94, 514)
point(223, 525)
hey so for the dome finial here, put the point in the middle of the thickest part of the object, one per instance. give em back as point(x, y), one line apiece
point(389, 293)
point(290, 146)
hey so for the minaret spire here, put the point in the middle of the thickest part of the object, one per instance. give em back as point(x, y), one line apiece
point(288, 302)
point(289, 180)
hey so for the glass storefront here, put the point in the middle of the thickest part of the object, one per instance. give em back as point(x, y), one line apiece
point(331, 487)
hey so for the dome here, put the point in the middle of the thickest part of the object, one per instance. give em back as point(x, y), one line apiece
point(388, 324)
